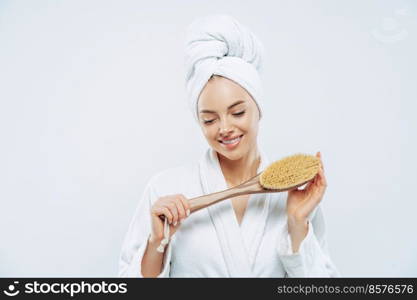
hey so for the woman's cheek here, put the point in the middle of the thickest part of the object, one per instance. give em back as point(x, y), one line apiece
point(211, 137)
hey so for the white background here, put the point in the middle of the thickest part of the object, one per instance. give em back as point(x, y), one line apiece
point(92, 104)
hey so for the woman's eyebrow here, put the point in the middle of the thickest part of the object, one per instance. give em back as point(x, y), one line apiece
point(231, 106)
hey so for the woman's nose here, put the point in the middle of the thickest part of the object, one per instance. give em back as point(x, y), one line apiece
point(224, 131)
point(225, 128)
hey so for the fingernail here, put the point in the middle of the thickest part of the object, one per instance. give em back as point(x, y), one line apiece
point(175, 224)
point(188, 212)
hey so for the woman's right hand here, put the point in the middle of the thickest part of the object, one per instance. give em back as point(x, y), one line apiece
point(174, 207)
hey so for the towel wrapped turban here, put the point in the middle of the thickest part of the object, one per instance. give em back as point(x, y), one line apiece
point(220, 45)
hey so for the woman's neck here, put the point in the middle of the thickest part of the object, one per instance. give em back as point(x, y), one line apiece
point(238, 171)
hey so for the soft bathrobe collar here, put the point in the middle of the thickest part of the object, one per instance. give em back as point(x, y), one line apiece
point(239, 244)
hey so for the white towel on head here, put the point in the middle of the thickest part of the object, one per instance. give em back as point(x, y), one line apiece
point(220, 45)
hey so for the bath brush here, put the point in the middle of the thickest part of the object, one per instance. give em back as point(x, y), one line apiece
point(282, 175)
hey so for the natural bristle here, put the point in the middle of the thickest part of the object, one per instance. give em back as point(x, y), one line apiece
point(290, 171)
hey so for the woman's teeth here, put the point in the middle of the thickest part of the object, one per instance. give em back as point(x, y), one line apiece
point(231, 141)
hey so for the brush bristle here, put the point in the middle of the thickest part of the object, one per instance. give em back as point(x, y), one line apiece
point(290, 171)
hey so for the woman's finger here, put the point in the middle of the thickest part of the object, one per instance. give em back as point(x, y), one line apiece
point(315, 179)
point(324, 178)
point(322, 181)
point(180, 209)
point(173, 209)
point(186, 205)
point(162, 210)
point(321, 161)
point(308, 185)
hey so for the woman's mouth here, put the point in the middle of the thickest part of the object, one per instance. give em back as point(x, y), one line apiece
point(231, 144)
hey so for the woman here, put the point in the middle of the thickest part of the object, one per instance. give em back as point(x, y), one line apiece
point(260, 235)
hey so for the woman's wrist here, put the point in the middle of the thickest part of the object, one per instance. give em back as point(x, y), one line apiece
point(297, 230)
point(297, 224)
point(156, 241)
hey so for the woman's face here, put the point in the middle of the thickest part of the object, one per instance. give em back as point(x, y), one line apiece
point(227, 112)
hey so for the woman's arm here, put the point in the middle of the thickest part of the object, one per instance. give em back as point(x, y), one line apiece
point(152, 261)
point(297, 231)
point(137, 250)
point(312, 258)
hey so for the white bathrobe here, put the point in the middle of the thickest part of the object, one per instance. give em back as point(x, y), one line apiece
point(210, 242)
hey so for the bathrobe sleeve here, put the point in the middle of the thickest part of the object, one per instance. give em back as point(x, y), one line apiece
point(135, 241)
point(312, 258)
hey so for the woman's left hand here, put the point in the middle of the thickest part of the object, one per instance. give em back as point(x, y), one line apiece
point(301, 203)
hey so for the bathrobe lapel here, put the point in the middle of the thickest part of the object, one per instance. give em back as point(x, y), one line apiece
point(239, 244)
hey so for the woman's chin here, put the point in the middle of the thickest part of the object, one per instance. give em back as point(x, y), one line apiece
point(231, 155)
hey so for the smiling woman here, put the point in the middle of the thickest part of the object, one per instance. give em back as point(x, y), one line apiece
point(250, 235)
point(229, 125)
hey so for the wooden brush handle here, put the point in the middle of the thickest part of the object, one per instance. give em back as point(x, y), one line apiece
point(252, 186)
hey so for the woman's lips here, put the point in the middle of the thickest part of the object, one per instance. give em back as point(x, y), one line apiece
point(232, 146)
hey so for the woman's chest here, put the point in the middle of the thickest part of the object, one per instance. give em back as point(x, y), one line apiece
point(200, 250)
point(239, 205)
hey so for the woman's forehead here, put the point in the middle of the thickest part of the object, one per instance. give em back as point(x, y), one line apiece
point(222, 94)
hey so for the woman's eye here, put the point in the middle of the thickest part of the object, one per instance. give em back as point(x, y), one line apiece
point(235, 114)
point(239, 113)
